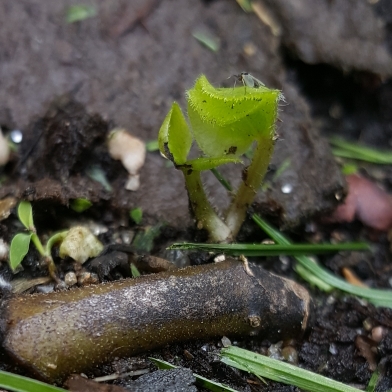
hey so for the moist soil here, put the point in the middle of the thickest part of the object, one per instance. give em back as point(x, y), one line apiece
point(65, 86)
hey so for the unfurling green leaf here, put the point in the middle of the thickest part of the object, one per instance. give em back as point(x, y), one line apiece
point(19, 248)
point(175, 138)
point(79, 12)
point(134, 271)
point(136, 215)
point(25, 214)
point(80, 204)
point(225, 121)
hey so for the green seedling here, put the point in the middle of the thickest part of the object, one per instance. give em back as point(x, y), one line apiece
point(79, 12)
point(136, 215)
point(224, 122)
point(80, 204)
point(21, 242)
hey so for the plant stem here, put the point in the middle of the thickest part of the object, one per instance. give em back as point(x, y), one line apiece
point(252, 178)
point(38, 244)
point(205, 215)
point(47, 258)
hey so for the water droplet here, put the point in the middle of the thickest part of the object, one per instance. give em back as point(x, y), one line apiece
point(338, 195)
point(333, 349)
point(287, 188)
point(16, 136)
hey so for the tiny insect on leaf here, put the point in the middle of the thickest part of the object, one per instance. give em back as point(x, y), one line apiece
point(248, 80)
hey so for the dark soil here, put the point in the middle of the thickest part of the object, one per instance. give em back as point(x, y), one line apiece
point(67, 85)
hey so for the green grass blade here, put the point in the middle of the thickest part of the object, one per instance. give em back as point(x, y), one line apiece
point(374, 379)
point(379, 297)
point(272, 250)
point(273, 369)
point(226, 184)
point(54, 239)
point(201, 381)
point(17, 383)
point(79, 12)
point(356, 151)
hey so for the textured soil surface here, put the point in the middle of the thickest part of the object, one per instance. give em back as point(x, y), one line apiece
point(65, 86)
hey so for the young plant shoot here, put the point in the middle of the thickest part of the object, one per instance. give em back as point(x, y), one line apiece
point(21, 242)
point(78, 243)
point(224, 122)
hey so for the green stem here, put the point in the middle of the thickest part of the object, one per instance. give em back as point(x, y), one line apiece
point(252, 179)
point(55, 238)
point(38, 244)
point(46, 256)
point(205, 215)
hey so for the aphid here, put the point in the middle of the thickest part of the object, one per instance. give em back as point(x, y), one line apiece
point(248, 80)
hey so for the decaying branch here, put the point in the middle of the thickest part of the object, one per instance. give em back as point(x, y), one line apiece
point(61, 333)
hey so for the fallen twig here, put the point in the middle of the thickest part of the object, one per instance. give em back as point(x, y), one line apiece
point(61, 333)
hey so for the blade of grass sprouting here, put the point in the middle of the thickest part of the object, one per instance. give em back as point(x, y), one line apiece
point(272, 250)
point(201, 381)
point(134, 271)
point(312, 279)
point(221, 179)
point(17, 383)
point(152, 145)
point(379, 297)
point(372, 384)
point(208, 39)
point(79, 12)
point(356, 151)
point(286, 373)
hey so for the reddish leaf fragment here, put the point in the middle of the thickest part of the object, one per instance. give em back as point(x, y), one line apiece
point(367, 202)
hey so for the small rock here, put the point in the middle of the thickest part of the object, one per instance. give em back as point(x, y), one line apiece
point(70, 279)
point(86, 278)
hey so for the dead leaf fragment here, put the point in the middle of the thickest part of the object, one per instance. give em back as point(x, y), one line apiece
point(367, 202)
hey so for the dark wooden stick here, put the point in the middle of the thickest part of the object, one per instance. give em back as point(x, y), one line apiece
point(61, 333)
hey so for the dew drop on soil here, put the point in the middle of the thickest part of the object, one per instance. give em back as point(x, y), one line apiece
point(16, 136)
point(333, 349)
point(286, 188)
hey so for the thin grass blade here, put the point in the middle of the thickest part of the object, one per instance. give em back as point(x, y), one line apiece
point(17, 383)
point(379, 297)
point(273, 369)
point(201, 381)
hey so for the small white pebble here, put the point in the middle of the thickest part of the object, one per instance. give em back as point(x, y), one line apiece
point(367, 324)
point(70, 279)
point(219, 258)
point(225, 341)
point(86, 278)
point(378, 333)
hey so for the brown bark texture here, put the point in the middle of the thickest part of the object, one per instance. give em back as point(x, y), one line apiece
point(60, 333)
